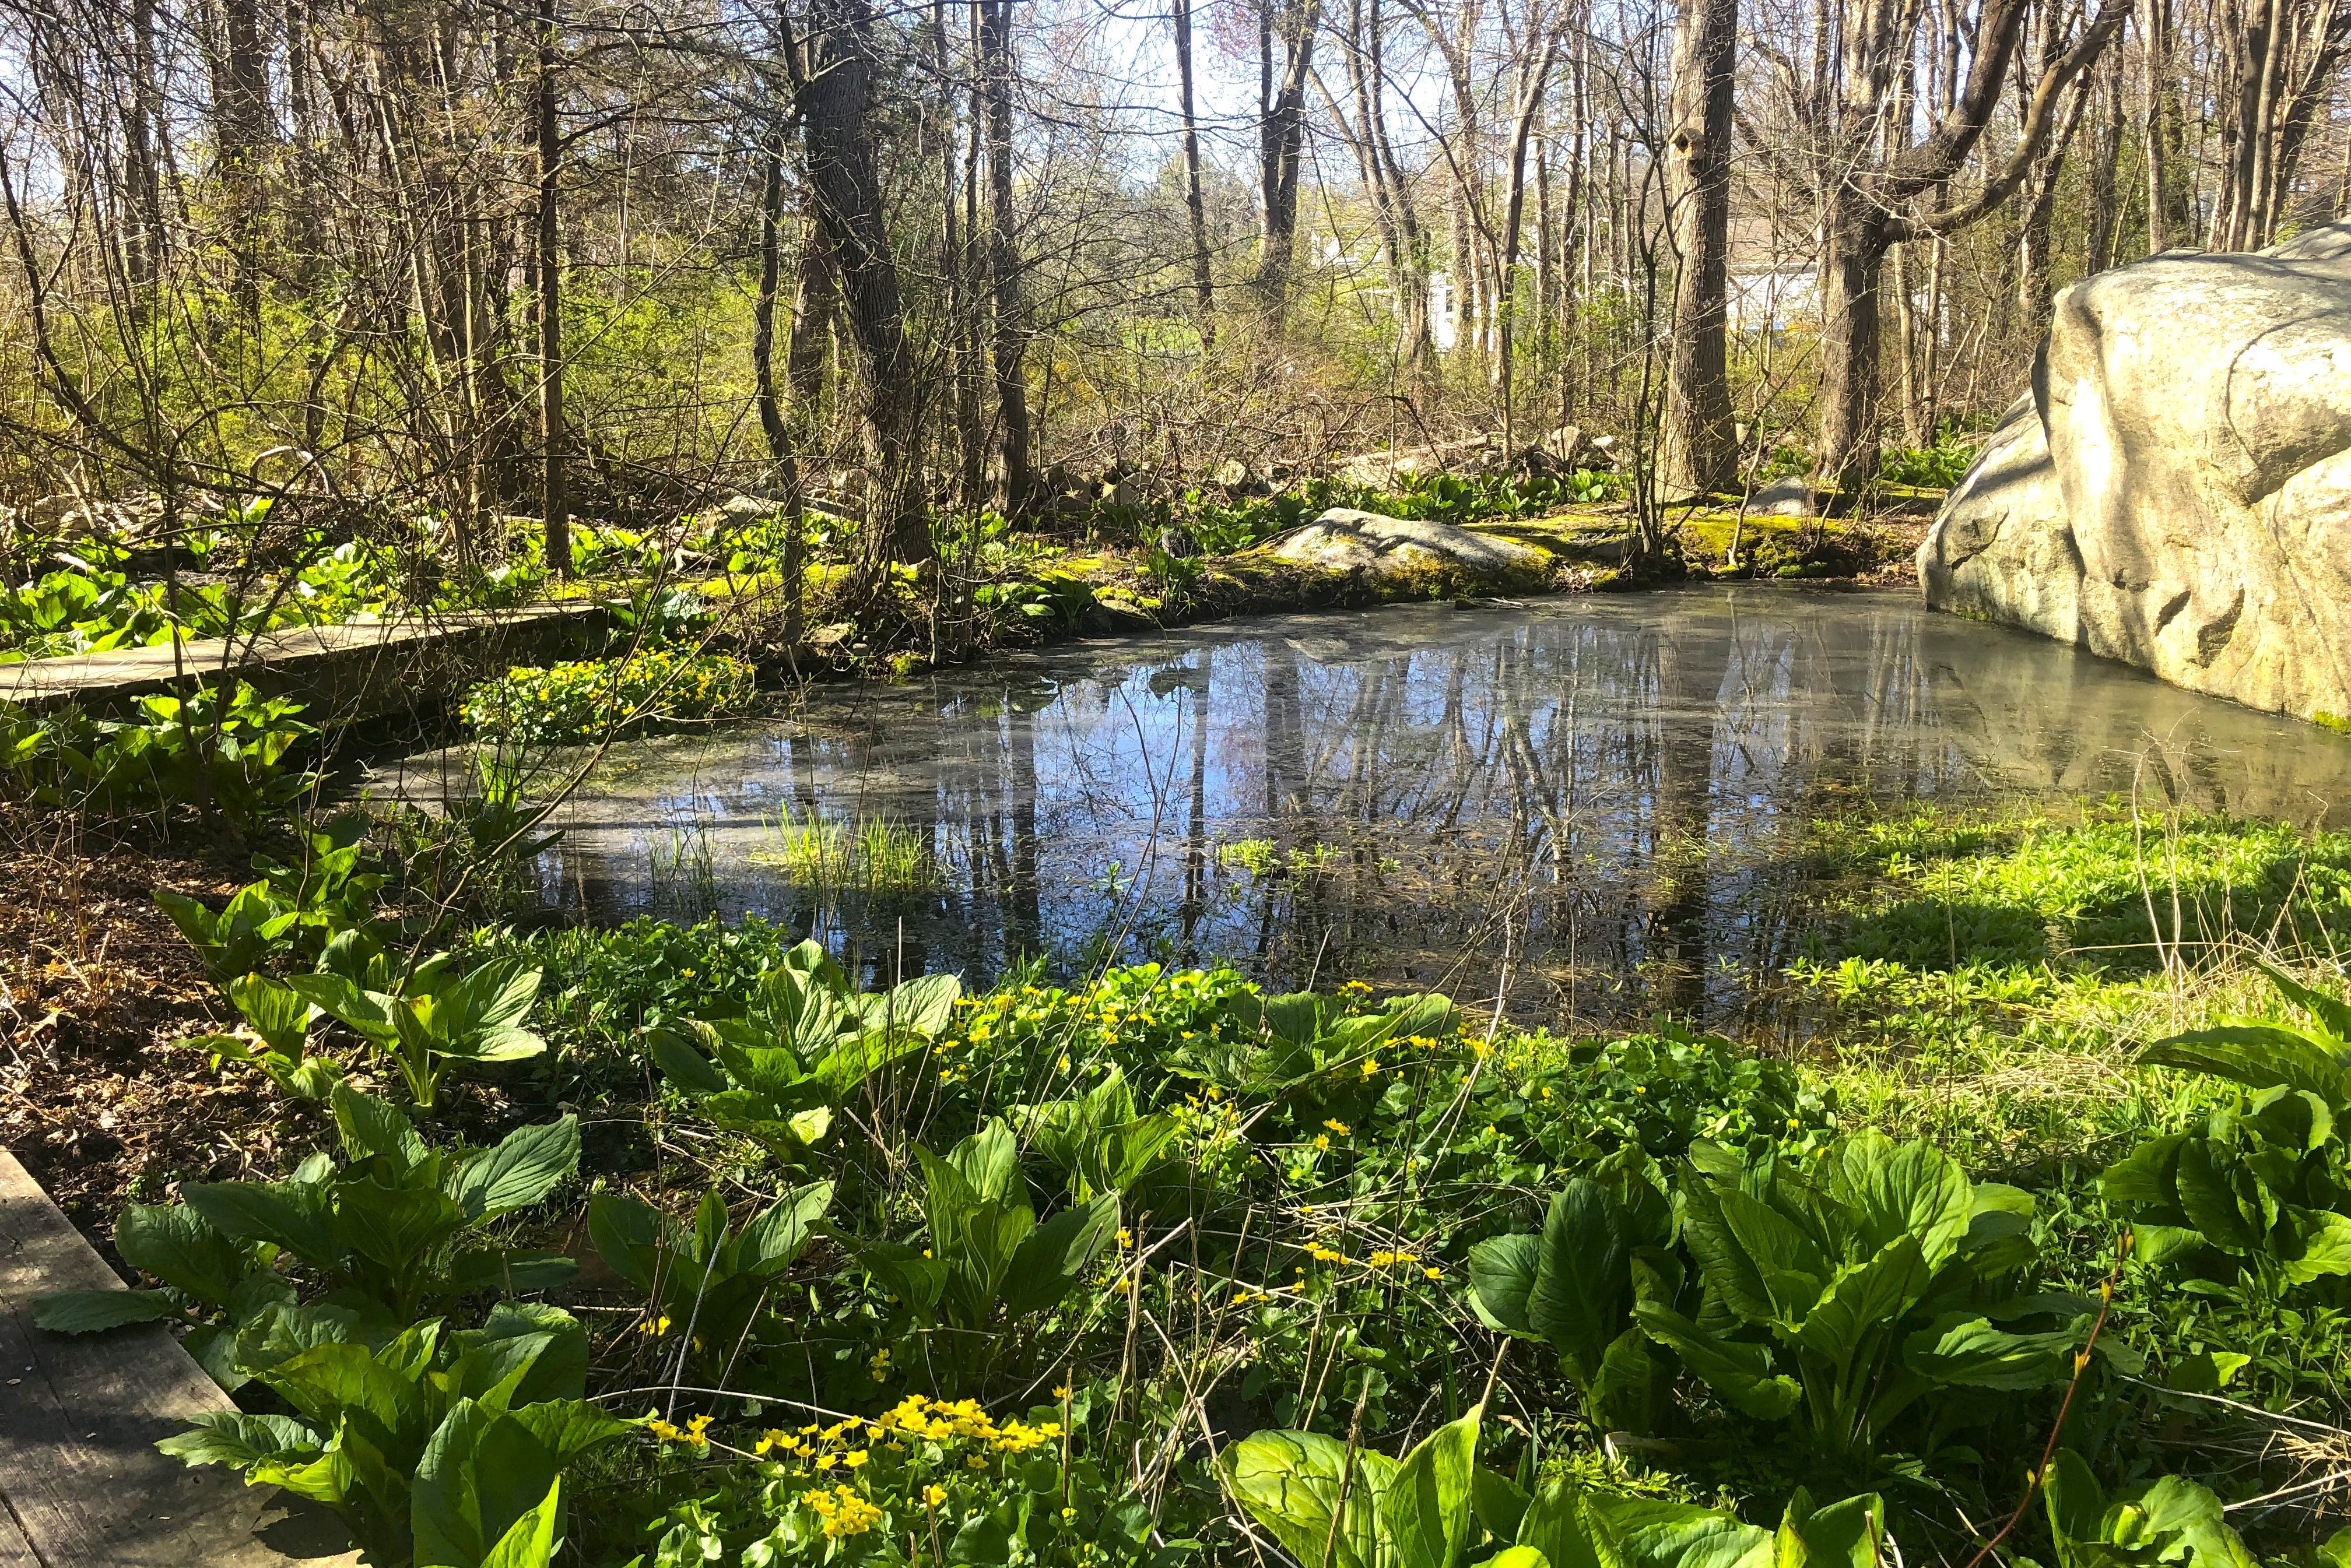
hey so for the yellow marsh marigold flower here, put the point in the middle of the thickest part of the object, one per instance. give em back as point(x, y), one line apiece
point(1336, 1126)
point(1322, 1141)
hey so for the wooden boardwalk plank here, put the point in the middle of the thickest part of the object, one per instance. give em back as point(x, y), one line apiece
point(370, 667)
point(81, 1480)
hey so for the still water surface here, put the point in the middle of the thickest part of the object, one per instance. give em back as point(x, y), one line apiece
point(1600, 804)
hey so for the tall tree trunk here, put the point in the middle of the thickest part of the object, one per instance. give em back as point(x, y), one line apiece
point(1849, 342)
point(1281, 144)
point(787, 436)
point(554, 509)
point(2106, 158)
point(1196, 207)
point(143, 259)
point(1531, 95)
point(1003, 255)
point(241, 129)
point(1698, 446)
point(837, 124)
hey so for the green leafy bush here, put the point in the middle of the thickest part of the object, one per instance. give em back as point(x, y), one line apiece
point(703, 1282)
point(426, 1017)
point(361, 1248)
point(2255, 1197)
point(442, 1449)
point(190, 752)
point(807, 1041)
point(989, 1263)
point(589, 699)
point(1849, 1293)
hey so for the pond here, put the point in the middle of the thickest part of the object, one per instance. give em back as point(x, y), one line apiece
point(1599, 806)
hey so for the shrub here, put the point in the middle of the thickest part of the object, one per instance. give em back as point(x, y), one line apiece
point(588, 698)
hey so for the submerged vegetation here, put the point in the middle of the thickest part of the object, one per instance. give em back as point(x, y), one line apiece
point(2041, 1237)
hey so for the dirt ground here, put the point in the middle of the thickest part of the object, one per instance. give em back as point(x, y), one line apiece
point(95, 983)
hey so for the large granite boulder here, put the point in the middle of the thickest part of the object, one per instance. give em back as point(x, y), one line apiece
point(2175, 490)
point(1400, 555)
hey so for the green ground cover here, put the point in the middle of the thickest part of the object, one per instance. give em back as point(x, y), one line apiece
point(677, 1243)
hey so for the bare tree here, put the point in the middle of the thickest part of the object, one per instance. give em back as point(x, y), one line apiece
point(1697, 448)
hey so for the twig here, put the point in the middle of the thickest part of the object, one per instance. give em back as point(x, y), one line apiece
point(2034, 1480)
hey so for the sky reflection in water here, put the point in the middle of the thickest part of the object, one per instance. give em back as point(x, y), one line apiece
point(1608, 794)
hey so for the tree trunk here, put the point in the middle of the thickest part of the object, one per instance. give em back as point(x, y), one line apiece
point(1196, 207)
point(1698, 447)
point(1003, 255)
point(1849, 342)
point(1282, 145)
point(836, 120)
point(554, 510)
point(2105, 156)
point(785, 438)
point(240, 128)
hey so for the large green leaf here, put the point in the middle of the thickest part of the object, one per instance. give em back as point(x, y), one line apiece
point(1573, 1528)
point(988, 1161)
point(2172, 1520)
point(368, 1013)
point(1739, 1371)
point(568, 1428)
point(1582, 1278)
point(2321, 1243)
point(1425, 1512)
point(1731, 1274)
point(93, 1312)
point(531, 1541)
point(1894, 1189)
point(298, 1216)
point(1775, 1250)
point(2258, 1055)
point(1975, 1355)
point(2146, 1174)
point(769, 1242)
point(1850, 1533)
point(519, 1170)
point(925, 1005)
point(1863, 1298)
point(480, 1474)
point(393, 1226)
point(371, 1126)
point(279, 1015)
point(1502, 1277)
point(673, 1050)
point(180, 1247)
point(2334, 1016)
point(859, 1056)
point(1295, 1484)
point(557, 1363)
point(627, 1235)
point(2215, 1192)
point(329, 1382)
point(235, 1438)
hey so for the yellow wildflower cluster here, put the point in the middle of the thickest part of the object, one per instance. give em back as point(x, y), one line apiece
point(941, 1421)
point(843, 1511)
point(692, 1432)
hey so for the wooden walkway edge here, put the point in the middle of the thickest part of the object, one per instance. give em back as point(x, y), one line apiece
point(356, 670)
point(81, 1485)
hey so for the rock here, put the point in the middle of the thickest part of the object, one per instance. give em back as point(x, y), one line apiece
point(2175, 493)
point(1393, 553)
point(1233, 474)
point(1563, 446)
point(1782, 498)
